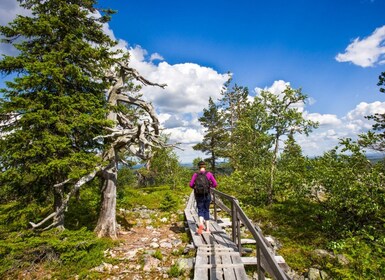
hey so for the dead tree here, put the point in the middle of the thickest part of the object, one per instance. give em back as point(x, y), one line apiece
point(136, 135)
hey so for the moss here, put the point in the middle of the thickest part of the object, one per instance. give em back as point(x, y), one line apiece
point(67, 252)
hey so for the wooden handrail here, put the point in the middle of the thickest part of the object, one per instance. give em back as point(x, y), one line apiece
point(265, 257)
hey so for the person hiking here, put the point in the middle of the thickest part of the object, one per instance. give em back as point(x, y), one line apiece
point(202, 181)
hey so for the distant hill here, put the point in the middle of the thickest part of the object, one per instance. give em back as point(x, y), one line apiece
point(375, 157)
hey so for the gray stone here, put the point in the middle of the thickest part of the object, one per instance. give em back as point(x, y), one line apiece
point(176, 242)
point(342, 259)
point(323, 253)
point(150, 263)
point(324, 275)
point(166, 245)
point(185, 264)
point(314, 274)
point(154, 245)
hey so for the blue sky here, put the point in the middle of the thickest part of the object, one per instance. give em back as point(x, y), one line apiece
point(333, 50)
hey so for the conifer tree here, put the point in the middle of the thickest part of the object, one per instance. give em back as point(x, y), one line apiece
point(55, 106)
point(232, 105)
point(215, 138)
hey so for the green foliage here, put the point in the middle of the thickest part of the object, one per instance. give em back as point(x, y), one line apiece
point(83, 209)
point(169, 202)
point(353, 191)
point(150, 196)
point(175, 271)
point(55, 105)
point(16, 215)
point(126, 177)
point(166, 168)
point(215, 140)
point(68, 252)
point(158, 255)
point(364, 258)
point(291, 172)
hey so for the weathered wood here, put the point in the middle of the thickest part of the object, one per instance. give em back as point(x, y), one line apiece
point(248, 241)
point(217, 256)
point(266, 261)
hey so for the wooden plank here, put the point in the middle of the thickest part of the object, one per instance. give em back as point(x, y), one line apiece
point(221, 265)
point(191, 221)
point(228, 272)
point(248, 241)
point(240, 268)
point(249, 260)
point(200, 272)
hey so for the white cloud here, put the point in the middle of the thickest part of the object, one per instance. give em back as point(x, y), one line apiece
point(8, 11)
point(189, 85)
point(332, 128)
point(277, 88)
point(366, 52)
point(323, 119)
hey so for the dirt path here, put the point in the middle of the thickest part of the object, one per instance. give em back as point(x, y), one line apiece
point(149, 252)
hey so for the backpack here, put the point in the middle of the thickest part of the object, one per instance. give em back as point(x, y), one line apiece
point(202, 184)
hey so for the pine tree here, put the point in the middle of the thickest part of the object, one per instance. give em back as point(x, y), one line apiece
point(55, 106)
point(232, 104)
point(215, 138)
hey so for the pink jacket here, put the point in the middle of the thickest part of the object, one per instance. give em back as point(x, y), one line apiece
point(209, 176)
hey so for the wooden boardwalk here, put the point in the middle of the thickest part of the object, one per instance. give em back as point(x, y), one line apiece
point(217, 255)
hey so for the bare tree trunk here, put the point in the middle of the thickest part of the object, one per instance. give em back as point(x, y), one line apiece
point(58, 220)
point(107, 225)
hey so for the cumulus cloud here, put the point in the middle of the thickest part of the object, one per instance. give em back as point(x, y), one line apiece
point(332, 128)
point(179, 105)
point(277, 88)
point(366, 52)
point(9, 9)
point(189, 85)
point(323, 119)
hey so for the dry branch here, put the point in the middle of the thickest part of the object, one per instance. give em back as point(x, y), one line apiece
point(64, 205)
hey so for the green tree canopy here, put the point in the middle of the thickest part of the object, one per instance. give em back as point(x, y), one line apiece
point(55, 106)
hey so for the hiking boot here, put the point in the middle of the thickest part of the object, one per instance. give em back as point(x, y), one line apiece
point(200, 229)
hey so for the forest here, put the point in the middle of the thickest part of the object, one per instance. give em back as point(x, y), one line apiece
point(74, 126)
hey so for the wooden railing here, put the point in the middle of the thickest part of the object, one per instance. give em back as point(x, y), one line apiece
point(264, 256)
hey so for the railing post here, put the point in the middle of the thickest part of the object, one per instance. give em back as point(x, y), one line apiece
point(233, 221)
point(238, 228)
point(215, 207)
point(261, 275)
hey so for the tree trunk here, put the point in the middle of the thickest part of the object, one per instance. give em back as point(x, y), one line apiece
point(272, 172)
point(107, 225)
point(58, 220)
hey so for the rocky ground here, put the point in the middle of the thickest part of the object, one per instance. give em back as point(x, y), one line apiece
point(156, 246)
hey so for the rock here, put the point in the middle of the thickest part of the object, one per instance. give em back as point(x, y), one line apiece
point(166, 245)
point(104, 267)
point(323, 253)
point(314, 274)
point(176, 242)
point(154, 245)
point(130, 254)
point(324, 275)
point(185, 264)
point(150, 263)
point(342, 259)
point(188, 248)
